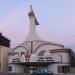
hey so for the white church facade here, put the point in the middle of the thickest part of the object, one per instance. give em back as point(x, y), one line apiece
point(38, 54)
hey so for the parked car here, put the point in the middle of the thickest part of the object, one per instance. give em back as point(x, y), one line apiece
point(41, 72)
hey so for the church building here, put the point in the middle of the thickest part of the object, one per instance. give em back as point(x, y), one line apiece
point(35, 53)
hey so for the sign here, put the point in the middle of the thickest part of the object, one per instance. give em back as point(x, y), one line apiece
point(45, 59)
point(27, 55)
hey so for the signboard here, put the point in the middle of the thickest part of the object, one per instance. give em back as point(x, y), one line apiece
point(45, 59)
point(49, 58)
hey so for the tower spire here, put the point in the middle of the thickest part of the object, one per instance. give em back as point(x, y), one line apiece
point(33, 22)
point(31, 9)
point(31, 14)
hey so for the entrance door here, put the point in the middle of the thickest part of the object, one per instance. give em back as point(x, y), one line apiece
point(26, 69)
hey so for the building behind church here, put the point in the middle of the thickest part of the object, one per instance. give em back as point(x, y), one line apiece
point(4, 49)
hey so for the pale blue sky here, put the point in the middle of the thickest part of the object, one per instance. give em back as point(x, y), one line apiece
point(56, 18)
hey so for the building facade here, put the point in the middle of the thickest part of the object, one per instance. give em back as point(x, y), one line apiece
point(38, 54)
point(4, 49)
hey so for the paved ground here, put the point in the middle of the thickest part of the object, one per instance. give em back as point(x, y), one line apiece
point(66, 74)
point(1, 73)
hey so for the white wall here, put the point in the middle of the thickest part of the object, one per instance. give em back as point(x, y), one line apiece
point(65, 58)
point(20, 49)
point(4, 58)
point(47, 47)
point(17, 68)
point(53, 68)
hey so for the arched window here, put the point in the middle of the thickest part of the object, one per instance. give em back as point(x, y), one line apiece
point(41, 53)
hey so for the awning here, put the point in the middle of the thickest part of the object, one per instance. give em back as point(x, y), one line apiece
point(34, 63)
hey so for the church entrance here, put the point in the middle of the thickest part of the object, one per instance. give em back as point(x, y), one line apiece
point(29, 66)
point(37, 68)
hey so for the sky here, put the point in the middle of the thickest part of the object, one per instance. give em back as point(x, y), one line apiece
point(56, 19)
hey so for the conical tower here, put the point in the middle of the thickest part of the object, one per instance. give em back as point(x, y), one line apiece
point(33, 41)
point(32, 37)
point(33, 23)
